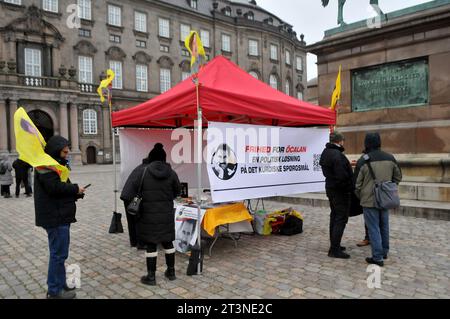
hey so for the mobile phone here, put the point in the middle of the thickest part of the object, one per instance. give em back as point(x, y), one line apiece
point(88, 185)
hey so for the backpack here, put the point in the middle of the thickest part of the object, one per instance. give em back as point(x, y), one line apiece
point(3, 169)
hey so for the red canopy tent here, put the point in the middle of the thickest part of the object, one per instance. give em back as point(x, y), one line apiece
point(227, 94)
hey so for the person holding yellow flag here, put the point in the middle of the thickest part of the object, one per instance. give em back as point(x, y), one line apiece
point(54, 196)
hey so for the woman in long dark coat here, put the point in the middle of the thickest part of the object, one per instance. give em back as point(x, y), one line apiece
point(156, 221)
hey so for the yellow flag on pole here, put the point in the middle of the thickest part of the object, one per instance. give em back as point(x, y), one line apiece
point(30, 145)
point(337, 91)
point(195, 47)
point(105, 85)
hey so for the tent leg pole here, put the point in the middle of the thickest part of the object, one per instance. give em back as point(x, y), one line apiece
point(115, 168)
point(199, 171)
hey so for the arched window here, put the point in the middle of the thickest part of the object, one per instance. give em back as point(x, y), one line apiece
point(254, 74)
point(89, 122)
point(273, 81)
point(287, 88)
point(250, 16)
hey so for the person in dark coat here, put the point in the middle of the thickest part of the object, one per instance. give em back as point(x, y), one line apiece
point(6, 178)
point(22, 169)
point(339, 185)
point(156, 221)
point(55, 209)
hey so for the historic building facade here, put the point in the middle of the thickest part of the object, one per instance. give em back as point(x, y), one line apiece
point(395, 80)
point(51, 65)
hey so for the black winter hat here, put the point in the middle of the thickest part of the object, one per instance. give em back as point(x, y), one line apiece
point(372, 142)
point(157, 154)
point(55, 145)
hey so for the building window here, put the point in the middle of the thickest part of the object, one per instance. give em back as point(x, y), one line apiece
point(164, 48)
point(141, 78)
point(300, 95)
point(194, 4)
point(85, 9)
point(18, 2)
point(250, 16)
point(185, 31)
point(164, 28)
point(253, 48)
point(85, 69)
point(204, 36)
point(288, 57)
point(185, 75)
point(115, 15)
point(227, 11)
point(140, 21)
point(84, 33)
point(165, 80)
point(50, 5)
point(114, 38)
point(273, 81)
point(226, 43)
point(141, 44)
point(89, 122)
point(274, 52)
point(33, 62)
point(116, 66)
point(185, 52)
point(287, 87)
point(299, 63)
point(254, 74)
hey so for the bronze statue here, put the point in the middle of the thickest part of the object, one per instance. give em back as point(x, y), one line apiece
point(373, 3)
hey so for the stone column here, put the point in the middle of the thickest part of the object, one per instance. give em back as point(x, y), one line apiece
point(63, 123)
point(3, 128)
point(12, 136)
point(73, 127)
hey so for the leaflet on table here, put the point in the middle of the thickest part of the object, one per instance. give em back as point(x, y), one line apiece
point(186, 230)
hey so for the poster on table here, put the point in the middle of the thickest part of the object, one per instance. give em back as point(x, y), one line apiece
point(186, 231)
point(249, 161)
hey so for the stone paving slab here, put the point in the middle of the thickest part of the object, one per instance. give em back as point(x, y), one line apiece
point(276, 267)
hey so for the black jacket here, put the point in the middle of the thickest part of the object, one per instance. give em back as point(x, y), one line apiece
point(336, 168)
point(156, 221)
point(21, 168)
point(54, 200)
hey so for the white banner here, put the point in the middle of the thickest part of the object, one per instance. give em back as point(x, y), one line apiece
point(248, 161)
point(186, 230)
point(135, 144)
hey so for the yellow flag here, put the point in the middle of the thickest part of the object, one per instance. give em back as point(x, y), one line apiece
point(30, 145)
point(105, 84)
point(195, 47)
point(337, 91)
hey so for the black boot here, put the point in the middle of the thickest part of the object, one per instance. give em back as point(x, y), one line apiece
point(150, 279)
point(170, 262)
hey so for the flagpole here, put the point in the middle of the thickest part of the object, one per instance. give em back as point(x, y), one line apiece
point(114, 149)
point(199, 167)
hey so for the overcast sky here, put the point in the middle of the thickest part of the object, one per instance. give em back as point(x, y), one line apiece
point(311, 19)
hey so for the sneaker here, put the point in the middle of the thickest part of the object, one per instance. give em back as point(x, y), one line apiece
point(371, 261)
point(363, 243)
point(149, 280)
point(339, 254)
point(63, 295)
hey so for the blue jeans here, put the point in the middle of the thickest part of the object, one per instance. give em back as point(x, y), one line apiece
point(58, 243)
point(377, 221)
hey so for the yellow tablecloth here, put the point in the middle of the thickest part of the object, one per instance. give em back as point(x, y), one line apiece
point(227, 214)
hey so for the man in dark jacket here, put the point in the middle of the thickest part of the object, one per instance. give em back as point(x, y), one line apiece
point(338, 183)
point(156, 221)
point(22, 168)
point(55, 209)
point(385, 168)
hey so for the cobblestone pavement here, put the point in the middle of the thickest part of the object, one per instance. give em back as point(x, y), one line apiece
point(261, 267)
